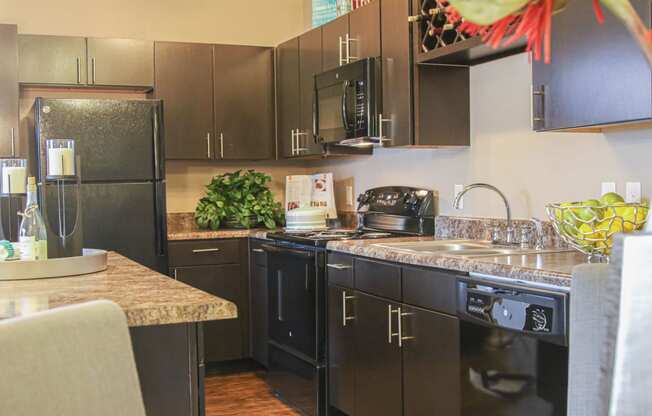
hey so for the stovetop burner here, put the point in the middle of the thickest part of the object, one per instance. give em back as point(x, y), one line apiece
point(321, 237)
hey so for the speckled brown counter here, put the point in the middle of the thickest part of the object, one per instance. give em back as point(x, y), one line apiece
point(548, 268)
point(147, 297)
point(182, 226)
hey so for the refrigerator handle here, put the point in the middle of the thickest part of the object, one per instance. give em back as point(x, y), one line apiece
point(160, 214)
point(159, 157)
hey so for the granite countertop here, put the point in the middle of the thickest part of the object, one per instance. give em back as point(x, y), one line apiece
point(547, 268)
point(182, 226)
point(147, 297)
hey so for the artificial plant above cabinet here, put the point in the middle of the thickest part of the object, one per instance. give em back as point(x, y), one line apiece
point(598, 75)
point(78, 61)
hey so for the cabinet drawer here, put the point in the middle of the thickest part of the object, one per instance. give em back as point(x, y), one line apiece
point(258, 255)
point(340, 269)
point(196, 253)
point(430, 289)
point(378, 278)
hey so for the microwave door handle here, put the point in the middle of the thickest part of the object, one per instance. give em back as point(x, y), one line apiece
point(314, 114)
point(345, 118)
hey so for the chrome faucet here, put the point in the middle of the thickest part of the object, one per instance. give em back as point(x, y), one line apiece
point(509, 238)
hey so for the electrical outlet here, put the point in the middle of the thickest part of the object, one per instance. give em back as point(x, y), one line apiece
point(633, 192)
point(608, 187)
point(349, 195)
point(458, 190)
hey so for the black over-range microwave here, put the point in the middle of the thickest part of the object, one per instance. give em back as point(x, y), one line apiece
point(347, 107)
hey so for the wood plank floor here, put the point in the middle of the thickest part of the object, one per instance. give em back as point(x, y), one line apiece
point(242, 394)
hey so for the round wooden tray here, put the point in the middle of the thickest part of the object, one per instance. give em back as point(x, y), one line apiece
point(90, 262)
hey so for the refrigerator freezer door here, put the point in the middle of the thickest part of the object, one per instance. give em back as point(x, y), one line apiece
point(118, 140)
point(123, 217)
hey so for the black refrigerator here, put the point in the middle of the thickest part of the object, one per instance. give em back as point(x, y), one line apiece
point(122, 169)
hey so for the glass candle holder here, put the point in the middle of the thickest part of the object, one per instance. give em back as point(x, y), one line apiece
point(14, 176)
point(60, 158)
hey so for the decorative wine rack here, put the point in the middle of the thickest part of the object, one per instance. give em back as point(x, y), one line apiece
point(433, 28)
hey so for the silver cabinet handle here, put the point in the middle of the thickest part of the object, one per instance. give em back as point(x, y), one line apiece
point(300, 134)
point(93, 71)
point(390, 332)
point(339, 266)
point(175, 274)
point(534, 119)
point(221, 145)
point(279, 300)
point(342, 60)
point(345, 318)
point(205, 250)
point(208, 145)
point(349, 57)
point(257, 250)
point(293, 137)
point(401, 338)
point(13, 142)
point(78, 70)
point(381, 135)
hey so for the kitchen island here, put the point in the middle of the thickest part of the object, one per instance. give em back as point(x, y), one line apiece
point(165, 319)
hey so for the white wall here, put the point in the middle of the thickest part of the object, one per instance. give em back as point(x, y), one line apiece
point(531, 168)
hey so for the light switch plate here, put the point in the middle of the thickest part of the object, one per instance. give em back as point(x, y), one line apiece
point(633, 192)
point(608, 187)
point(458, 190)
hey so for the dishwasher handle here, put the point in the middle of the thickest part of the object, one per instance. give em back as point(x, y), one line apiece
point(288, 251)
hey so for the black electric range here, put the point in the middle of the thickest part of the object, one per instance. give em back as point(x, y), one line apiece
point(297, 289)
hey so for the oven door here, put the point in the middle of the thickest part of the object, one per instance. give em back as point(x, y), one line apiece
point(335, 113)
point(511, 374)
point(292, 300)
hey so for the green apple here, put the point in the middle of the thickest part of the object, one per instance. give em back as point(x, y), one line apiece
point(611, 198)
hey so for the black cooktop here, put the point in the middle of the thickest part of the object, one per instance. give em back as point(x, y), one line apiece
point(322, 237)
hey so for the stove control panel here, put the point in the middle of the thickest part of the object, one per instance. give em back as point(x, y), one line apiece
point(399, 200)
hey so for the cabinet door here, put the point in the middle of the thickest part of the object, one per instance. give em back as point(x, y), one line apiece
point(597, 76)
point(310, 64)
point(334, 50)
point(259, 312)
point(223, 340)
point(378, 386)
point(431, 363)
point(184, 81)
point(120, 62)
point(397, 78)
point(364, 25)
point(51, 60)
point(341, 349)
point(244, 101)
point(8, 91)
point(287, 84)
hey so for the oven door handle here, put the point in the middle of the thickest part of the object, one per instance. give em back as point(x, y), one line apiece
point(292, 252)
point(345, 110)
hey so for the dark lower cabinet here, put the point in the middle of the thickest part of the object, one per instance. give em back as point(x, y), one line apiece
point(222, 339)
point(431, 365)
point(259, 305)
point(341, 349)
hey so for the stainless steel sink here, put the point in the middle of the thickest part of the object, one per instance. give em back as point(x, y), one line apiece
point(462, 248)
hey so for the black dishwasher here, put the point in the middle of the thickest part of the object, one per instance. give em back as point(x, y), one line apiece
point(514, 350)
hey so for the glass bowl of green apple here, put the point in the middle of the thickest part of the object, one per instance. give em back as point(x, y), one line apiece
point(589, 226)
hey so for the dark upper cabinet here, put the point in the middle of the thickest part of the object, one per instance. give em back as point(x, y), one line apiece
point(335, 34)
point(598, 75)
point(288, 96)
point(310, 64)
point(120, 62)
point(259, 306)
point(431, 363)
point(52, 60)
point(378, 386)
point(341, 349)
point(397, 73)
point(244, 102)
point(8, 91)
point(364, 31)
point(184, 81)
point(222, 339)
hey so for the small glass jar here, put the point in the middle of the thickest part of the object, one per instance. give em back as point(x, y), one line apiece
point(13, 174)
point(60, 158)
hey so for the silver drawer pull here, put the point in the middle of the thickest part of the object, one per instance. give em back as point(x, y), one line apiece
point(205, 250)
point(258, 250)
point(339, 266)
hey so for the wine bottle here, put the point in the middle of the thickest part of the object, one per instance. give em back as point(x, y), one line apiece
point(32, 234)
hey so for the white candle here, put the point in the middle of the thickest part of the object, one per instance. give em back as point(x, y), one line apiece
point(61, 161)
point(14, 179)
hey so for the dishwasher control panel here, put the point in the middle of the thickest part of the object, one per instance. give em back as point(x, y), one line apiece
point(537, 313)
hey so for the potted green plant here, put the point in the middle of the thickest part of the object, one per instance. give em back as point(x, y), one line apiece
point(239, 200)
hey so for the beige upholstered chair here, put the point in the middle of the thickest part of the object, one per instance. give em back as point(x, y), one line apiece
point(71, 361)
